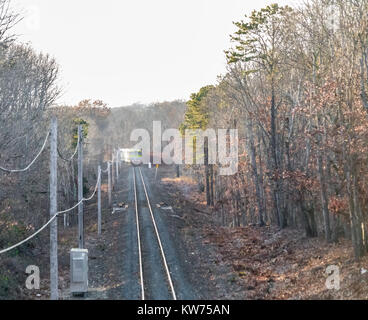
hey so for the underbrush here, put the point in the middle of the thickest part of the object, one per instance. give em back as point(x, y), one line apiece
point(13, 263)
point(11, 233)
point(7, 285)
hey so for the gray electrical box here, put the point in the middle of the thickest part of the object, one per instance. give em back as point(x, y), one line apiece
point(78, 271)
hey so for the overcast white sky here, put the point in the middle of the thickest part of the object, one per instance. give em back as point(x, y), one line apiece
point(124, 51)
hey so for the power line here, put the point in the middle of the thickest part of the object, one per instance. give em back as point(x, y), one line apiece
point(73, 155)
point(32, 162)
point(52, 219)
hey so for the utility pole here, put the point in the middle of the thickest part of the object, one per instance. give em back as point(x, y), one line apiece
point(109, 181)
point(53, 209)
point(112, 170)
point(99, 200)
point(26, 174)
point(80, 189)
point(117, 165)
point(156, 172)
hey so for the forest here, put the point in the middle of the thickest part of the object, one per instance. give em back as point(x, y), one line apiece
point(295, 88)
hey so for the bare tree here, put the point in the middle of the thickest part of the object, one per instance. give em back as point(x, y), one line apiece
point(8, 19)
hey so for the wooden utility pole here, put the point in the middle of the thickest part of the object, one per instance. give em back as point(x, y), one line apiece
point(99, 200)
point(117, 165)
point(207, 172)
point(156, 172)
point(53, 209)
point(109, 181)
point(80, 189)
point(112, 171)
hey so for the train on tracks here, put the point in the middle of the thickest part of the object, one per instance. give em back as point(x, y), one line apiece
point(135, 156)
point(132, 156)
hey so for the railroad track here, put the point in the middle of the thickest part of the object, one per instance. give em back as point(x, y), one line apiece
point(154, 272)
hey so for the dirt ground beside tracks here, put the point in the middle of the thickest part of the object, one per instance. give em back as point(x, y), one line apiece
point(223, 263)
point(261, 263)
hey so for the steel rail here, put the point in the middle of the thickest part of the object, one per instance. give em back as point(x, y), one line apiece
point(158, 238)
point(138, 237)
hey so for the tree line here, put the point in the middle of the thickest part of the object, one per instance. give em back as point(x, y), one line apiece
point(29, 89)
point(296, 88)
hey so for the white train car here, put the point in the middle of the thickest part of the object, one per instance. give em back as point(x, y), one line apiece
point(133, 156)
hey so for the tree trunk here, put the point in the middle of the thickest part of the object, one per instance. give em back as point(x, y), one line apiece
point(355, 218)
point(207, 173)
point(212, 196)
point(276, 195)
point(255, 174)
point(324, 198)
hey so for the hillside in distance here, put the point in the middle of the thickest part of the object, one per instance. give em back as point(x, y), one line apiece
point(115, 130)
